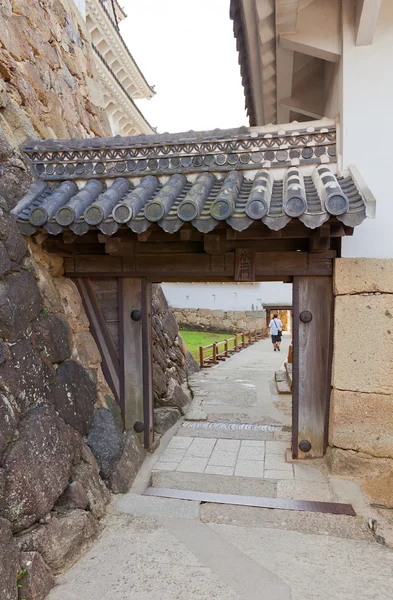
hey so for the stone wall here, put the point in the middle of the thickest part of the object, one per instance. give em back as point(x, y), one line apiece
point(230, 321)
point(361, 413)
point(62, 448)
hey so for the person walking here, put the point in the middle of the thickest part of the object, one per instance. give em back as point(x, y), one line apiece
point(276, 332)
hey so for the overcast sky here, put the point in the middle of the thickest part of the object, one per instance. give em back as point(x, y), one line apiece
point(187, 50)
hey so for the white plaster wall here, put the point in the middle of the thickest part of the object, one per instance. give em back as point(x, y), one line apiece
point(227, 296)
point(367, 128)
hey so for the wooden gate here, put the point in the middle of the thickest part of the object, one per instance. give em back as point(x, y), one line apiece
point(119, 311)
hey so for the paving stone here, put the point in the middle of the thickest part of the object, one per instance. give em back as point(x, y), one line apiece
point(223, 459)
point(214, 470)
point(165, 466)
point(308, 473)
point(193, 464)
point(253, 443)
point(201, 448)
point(304, 490)
point(277, 448)
point(180, 442)
point(228, 445)
point(133, 504)
point(275, 462)
point(249, 468)
point(251, 453)
point(215, 484)
point(173, 455)
point(270, 474)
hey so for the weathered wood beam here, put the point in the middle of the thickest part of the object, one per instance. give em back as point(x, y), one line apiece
point(367, 13)
point(286, 15)
point(185, 267)
point(135, 354)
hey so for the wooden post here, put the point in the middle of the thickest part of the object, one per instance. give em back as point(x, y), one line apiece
point(147, 357)
point(249, 337)
point(236, 344)
point(136, 387)
point(215, 361)
point(312, 357)
point(226, 349)
point(243, 339)
point(201, 359)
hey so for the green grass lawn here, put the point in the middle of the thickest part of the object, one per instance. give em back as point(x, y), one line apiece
point(194, 339)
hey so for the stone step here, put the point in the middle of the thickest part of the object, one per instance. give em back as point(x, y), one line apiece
point(283, 382)
point(340, 526)
point(215, 484)
point(235, 431)
point(288, 368)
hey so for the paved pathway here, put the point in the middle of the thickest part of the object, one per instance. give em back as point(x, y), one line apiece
point(167, 549)
point(243, 388)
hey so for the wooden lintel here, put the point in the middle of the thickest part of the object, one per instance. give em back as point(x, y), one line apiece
point(40, 237)
point(189, 266)
point(213, 243)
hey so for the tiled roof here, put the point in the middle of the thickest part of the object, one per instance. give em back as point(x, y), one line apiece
point(236, 176)
point(204, 200)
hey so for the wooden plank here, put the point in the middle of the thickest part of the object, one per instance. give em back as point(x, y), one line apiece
point(101, 334)
point(147, 358)
point(367, 13)
point(130, 342)
point(312, 362)
point(334, 508)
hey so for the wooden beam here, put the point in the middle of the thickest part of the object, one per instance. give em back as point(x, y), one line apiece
point(312, 363)
point(130, 342)
point(185, 267)
point(367, 13)
point(286, 15)
point(318, 31)
point(299, 106)
point(101, 334)
point(147, 358)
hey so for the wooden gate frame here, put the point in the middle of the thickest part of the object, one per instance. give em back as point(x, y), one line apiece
point(129, 373)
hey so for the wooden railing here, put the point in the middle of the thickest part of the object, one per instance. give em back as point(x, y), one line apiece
point(211, 355)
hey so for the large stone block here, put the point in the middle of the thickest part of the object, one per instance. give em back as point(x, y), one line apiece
point(363, 343)
point(63, 540)
point(128, 466)
point(9, 562)
point(105, 440)
point(72, 304)
point(53, 336)
point(362, 422)
point(37, 466)
point(20, 303)
point(25, 375)
point(169, 326)
point(37, 580)
point(357, 275)
point(8, 420)
point(159, 302)
point(98, 495)
point(86, 349)
point(357, 464)
point(165, 417)
point(74, 395)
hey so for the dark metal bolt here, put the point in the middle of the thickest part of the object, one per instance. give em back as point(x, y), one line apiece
point(305, 316)
point(139, 426)
point(136, 315)
point(305, 446)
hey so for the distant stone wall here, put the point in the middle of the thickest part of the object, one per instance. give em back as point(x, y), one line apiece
point(361, 412)
point(230, 321)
